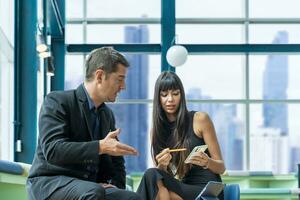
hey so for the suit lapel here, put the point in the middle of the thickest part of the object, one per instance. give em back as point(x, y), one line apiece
point(88, 117)
point(85, 107)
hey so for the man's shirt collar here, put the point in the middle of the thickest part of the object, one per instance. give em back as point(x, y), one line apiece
point(90, 101)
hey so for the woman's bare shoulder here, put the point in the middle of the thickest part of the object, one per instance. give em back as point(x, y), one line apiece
point(201, 117)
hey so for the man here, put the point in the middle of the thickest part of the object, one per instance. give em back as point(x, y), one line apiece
point(78, 154)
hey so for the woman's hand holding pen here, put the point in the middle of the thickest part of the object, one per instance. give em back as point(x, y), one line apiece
point(163, 159)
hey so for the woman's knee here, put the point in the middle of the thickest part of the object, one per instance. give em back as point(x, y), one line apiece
point(151, 172)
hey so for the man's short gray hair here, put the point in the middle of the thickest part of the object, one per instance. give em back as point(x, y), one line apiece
point(105, 58)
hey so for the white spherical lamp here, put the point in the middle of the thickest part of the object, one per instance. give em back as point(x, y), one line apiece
point(177, 55)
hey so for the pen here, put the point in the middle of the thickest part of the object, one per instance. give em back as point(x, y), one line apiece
point(175, 150)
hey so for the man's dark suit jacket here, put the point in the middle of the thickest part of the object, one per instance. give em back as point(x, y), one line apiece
point(65, 144)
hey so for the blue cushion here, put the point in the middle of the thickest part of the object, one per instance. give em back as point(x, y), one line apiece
point(232, 192)
point(11, 167)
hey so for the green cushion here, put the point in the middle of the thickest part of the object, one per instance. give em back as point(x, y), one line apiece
point(266, 191)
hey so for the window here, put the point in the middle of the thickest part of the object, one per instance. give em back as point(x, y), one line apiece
point(251, 98)
point(210, 33)
point(274, 133)
point(274, 33)
point(274, 76)
point(209, 8)
point(214, 76)
point(121, 9)
point(6, 79)
point(276, 9)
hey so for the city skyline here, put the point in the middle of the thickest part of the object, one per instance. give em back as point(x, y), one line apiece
point(228, 119)
point(269, 144)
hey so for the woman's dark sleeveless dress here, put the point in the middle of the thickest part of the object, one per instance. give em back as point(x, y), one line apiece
point(191, 184)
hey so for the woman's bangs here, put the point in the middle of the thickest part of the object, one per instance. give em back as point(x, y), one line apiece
point(169, 83)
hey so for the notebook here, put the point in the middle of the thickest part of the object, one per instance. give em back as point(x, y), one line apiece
point(211, 191)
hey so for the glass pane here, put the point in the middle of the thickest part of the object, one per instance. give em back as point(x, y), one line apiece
point(74, 34)
point(210, 34)
point(275, 76)
point(6, 106)
point(213, 76)
point(74, 71)
point(274, 8)
point(123, 34)
point(210, 8)
point(134, 121)
point(274, 34)
point(229, 124)
point(142, 74)
point(6, 80)
point(74, 8)
point(274, 136)
point(7, 20)
point(40, 11)
point(141, 77)
point(121, 8)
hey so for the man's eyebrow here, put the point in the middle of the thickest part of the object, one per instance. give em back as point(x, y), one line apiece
point(122, 76)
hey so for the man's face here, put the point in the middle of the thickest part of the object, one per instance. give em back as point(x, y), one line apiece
point(113, 83)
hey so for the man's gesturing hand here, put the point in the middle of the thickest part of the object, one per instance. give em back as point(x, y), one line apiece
point(110, 145)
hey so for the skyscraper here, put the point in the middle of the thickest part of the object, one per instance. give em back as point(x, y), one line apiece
point(230, 135)
point(294, 159)
point(133, 118)
point(275, 84)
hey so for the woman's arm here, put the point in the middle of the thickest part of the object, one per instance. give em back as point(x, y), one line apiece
point(204, 127)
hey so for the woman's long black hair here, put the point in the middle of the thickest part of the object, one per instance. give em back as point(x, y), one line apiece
point(170, 81)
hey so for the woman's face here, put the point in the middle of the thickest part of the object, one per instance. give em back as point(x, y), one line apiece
point(170, 100)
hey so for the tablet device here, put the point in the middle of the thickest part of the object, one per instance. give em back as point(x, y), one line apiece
point(211, 191)
point(200, 148)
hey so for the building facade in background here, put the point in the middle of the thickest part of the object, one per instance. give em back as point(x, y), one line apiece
point(275, 85)
point(133, 118)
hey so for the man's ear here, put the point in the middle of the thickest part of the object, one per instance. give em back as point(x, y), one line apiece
point(99, 75)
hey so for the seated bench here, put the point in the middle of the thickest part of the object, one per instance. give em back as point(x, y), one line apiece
point(270, 193)
point(255, 185)
point(13, 177)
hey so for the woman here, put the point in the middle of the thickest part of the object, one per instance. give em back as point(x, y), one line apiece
point(175, 127)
